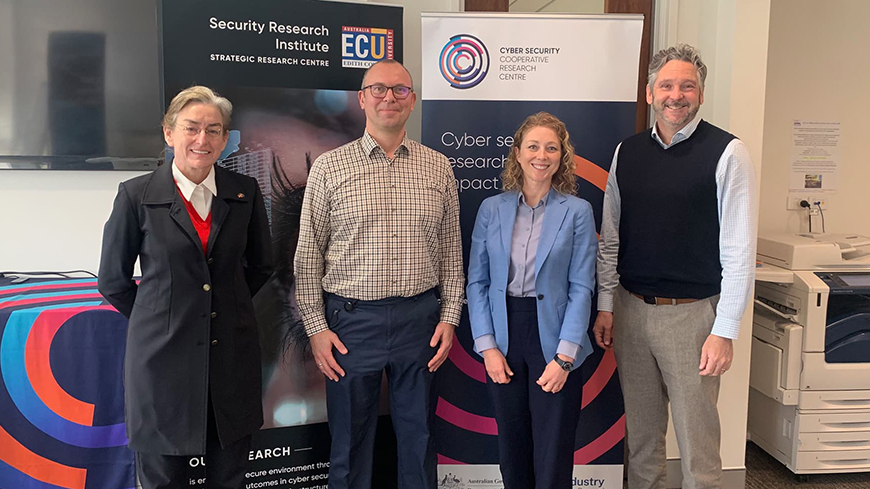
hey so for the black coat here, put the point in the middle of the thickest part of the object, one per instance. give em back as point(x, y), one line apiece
point(192, 327)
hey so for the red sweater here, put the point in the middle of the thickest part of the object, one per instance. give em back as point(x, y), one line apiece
point(202, 226)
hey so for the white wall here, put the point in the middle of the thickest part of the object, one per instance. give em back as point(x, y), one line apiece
point(818, 70)
point(732, 36)
point(53, 220)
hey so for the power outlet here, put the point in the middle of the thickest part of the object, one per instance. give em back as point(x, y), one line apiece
point(794, 203)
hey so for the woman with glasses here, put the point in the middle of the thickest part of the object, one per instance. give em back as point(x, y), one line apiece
point(201, 237)
point(530, 279)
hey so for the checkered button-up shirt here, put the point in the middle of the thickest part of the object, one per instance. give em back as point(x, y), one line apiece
point(373, 228)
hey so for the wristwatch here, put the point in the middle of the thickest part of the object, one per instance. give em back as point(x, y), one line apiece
point(566, 366)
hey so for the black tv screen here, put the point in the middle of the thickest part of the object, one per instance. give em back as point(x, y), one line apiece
point(80, 86)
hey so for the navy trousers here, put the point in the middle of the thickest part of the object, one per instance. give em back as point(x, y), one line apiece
point(389, 335)
point(536, 429)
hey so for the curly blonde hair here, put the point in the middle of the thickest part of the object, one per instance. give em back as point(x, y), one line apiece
point(563, 180)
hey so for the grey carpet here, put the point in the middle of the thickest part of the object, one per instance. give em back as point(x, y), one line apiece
point(765, 472)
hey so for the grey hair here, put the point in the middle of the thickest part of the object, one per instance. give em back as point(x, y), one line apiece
point(680, 52)
point(198, 94)
point(385, 61)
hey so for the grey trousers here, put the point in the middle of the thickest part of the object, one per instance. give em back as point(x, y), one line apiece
point(658, 349)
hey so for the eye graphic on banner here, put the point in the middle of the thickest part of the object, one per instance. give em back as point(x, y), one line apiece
point(61, 394)
point(362, 47)
point(464, 61)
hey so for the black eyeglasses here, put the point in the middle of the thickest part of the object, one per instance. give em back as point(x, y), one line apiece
point(380, 91)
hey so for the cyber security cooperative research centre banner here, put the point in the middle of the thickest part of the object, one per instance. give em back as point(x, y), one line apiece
point(482, 75)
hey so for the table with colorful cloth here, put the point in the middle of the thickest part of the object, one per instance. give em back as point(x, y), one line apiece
point(61, 387)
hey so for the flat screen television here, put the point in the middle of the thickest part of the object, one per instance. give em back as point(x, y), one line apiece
point(80, 85)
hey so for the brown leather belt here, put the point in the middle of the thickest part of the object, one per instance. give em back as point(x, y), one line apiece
point(662, 301)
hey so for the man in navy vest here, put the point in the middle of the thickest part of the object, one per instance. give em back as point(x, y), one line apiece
point(676, 262)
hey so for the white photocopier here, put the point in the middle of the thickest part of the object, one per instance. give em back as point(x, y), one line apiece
point(809, 398)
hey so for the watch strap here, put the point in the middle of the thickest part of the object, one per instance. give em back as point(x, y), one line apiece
point(567, 366)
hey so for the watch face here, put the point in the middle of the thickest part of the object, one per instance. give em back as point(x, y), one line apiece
point(566, 365)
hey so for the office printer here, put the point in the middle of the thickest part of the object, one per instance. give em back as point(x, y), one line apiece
point(809, 399)
point(814, 251)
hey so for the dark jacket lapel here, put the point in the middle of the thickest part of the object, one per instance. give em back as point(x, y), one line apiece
point(162, 190)
point(229, 189)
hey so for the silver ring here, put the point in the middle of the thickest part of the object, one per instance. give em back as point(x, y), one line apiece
point(319, 364)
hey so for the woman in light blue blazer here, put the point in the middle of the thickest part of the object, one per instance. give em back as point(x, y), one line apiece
point(530, 279)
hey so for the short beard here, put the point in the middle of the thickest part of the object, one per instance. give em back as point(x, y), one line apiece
point(682, 122)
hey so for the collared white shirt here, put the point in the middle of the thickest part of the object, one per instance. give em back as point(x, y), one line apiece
point(199, 195)
point(738, 213)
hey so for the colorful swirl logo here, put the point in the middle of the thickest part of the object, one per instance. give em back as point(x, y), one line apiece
point(464, 61)
point(61, 388)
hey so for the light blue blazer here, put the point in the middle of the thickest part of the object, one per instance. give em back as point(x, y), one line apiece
point(564, 271)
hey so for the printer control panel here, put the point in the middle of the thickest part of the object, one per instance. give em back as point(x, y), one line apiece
point(846, 282)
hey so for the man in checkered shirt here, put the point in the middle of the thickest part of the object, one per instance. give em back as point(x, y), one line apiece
point(379, 280)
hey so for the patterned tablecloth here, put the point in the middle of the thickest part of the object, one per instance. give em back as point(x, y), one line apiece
point(61, 388)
